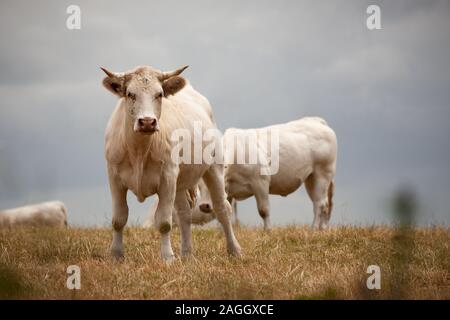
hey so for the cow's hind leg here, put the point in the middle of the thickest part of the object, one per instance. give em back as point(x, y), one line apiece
point(261, 192)
point(214, 181)
point(185, 218)
point(317, 186)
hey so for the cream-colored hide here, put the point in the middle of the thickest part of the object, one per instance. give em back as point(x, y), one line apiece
point(307, 154)
point(51, 214)
point(152, 105)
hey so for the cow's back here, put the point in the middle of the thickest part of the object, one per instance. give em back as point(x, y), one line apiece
point(308, 139)
point(187, 106)
point(305, 145)
point(193, 111)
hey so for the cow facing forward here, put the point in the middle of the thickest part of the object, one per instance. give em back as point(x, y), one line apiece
point(306, 153)
point(50, 214)
point(152, 105)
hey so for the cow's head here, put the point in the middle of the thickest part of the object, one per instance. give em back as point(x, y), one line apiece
point(143, 90)
point(205, 202)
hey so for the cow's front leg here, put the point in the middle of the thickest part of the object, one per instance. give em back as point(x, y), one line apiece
point(184, 212)
point(163, 215)
point(119, 216)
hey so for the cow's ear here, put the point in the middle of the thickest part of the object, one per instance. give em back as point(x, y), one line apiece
point(114, 83)
point(173, 85)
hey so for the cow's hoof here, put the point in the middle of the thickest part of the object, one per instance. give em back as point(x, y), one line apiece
point(187, 258)
point(235, 251)
point(186, 253)
point(169, 259)
point(320, 227)
point(117, 255)
point(267, 230)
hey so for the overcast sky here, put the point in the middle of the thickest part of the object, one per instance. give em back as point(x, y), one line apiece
point(385, 92)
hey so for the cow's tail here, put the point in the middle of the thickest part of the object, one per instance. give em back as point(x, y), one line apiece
point(330, 198)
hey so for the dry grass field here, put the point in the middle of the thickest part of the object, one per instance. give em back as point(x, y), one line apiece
point(288, 263)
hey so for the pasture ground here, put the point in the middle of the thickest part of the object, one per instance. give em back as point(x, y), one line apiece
point(289, 263)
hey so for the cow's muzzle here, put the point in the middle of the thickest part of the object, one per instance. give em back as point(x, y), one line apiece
point(205, 207)
point(147, 125)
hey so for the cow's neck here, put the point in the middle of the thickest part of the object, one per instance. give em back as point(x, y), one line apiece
point(141, 149)
point(137, 144)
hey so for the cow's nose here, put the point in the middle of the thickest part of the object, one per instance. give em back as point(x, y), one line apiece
point(205, 207)
point(147, 124)
point(147, 121)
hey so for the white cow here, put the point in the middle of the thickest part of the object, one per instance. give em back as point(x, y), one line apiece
point(307, 154)
point(138, 145)
point(51, 213)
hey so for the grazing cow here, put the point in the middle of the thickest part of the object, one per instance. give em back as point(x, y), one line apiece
point(202, 210)
point(199, 217)
point(307, 154)
point(51, 214)
point(138, 146)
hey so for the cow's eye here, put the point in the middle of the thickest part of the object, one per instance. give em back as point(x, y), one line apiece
point(158, 96)
point(132, 96)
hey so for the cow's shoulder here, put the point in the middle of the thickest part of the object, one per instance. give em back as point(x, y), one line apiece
point(115, 151)
point(191, 102)
point(115, 147)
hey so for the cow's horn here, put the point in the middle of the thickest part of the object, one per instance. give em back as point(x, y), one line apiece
point(109, 73)
point(167, 75)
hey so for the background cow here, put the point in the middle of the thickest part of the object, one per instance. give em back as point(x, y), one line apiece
point(138, 146)
point(307, 154)
point(51, 213)
point(202, 209)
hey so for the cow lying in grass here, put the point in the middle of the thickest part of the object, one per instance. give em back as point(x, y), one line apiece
point(50, 214)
